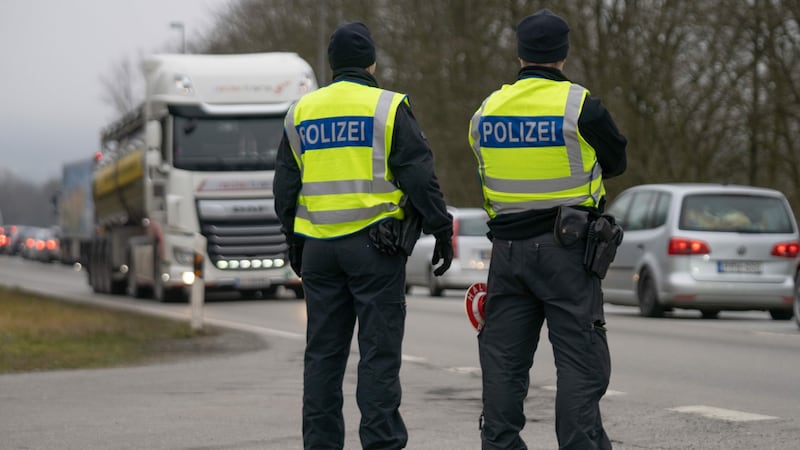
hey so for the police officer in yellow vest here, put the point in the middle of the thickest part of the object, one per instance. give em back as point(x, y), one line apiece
point(352, 154)
point(543, 146)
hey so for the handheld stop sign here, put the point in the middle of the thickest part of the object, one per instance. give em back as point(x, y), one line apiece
point(475, 301)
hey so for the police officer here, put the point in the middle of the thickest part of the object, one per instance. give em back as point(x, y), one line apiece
point(351, 152)
point(543, 144)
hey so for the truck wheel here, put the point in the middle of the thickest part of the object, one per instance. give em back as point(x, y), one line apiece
point(168, 295)
point(134, 289)
point(94, 268)
point(104, 272)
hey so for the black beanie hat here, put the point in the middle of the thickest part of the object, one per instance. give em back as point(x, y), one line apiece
point(351, 46)
point(542, 37)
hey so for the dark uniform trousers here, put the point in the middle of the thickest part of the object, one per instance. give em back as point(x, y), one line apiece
point(345, 280)
point(530, 281)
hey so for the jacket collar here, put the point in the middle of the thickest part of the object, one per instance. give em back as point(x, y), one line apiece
point(549, 73)
point(356, 75)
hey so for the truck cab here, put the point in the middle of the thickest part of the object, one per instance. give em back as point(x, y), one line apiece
point(189, 175)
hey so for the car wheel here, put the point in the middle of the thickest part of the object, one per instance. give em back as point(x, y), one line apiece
point(780, 314)
point(709, 313)
point(797, 299)
point(299, 292)
point(648, 298)
point(433, 286)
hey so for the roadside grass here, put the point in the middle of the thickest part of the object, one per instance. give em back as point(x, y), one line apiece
point(38, 333)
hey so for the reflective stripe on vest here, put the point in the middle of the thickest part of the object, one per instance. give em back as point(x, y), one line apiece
point(343, 201)
point(537, 176)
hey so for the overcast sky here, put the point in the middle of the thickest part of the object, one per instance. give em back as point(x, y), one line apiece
point(53, 54)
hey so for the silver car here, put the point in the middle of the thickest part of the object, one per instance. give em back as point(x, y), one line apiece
point(708, 247)
point(472, 251)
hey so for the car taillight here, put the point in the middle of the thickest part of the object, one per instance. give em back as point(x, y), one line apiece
point(40, 245)
point(52, 244)
point(786, 249)
point(30, 242)
point(683, 246)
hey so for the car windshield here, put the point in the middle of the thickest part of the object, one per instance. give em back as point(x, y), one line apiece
point(735, 213)
point(227, 144)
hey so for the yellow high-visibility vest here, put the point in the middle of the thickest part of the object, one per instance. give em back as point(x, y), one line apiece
point(530, 152)
point(341, 136)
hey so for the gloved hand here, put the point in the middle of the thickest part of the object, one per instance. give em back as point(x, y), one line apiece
point(296, 255)
point(442, 250)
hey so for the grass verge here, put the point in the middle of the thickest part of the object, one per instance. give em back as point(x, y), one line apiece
point(39, 333)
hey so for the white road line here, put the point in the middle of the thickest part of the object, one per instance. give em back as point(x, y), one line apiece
point(415, 359)
point(256, 329)
point(465, 370)
point(609, 392)
point(721, 414)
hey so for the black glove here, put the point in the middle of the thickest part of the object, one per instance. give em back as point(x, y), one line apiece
point(384, 236)
point(296, 255)
point(442, 250)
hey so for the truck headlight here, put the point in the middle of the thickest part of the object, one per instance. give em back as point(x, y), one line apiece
point(183, 256)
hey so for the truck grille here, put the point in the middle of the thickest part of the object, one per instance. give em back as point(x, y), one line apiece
point(242, 241)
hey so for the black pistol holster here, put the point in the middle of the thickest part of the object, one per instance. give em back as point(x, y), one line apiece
point(392, 236)
point(571, 225)
point(410, 227)
point(602, 239)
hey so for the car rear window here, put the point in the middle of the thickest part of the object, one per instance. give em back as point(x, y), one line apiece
point(472, 226)
point(736, 213)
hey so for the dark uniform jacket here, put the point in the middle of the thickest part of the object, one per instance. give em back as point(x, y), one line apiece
point(410, 160)
point(598, 128)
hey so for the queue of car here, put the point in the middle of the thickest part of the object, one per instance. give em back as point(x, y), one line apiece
point(30, 242)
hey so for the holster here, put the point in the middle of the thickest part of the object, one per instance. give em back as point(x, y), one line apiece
point(602, 239)
point(410, 227)
point(392, 236)
point(571, 225)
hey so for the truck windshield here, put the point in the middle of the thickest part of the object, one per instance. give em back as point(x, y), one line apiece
point(226, 144)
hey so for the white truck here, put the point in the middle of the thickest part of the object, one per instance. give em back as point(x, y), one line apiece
point(187, 177)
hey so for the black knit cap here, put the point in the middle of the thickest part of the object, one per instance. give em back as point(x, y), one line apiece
point(351, 46)
point(542, 37)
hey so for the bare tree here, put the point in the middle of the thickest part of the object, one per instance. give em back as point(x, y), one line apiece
point(705, 91)
point(119, 87)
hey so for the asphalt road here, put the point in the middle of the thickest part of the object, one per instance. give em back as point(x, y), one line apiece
point(679, 382)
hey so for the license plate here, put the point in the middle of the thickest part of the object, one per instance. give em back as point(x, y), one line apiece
point(738, 267)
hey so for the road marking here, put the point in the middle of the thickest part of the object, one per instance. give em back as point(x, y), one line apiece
point(465, 370)
point(721, 414)
point(609, 392)
point(256, 329)
point(414, 359)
